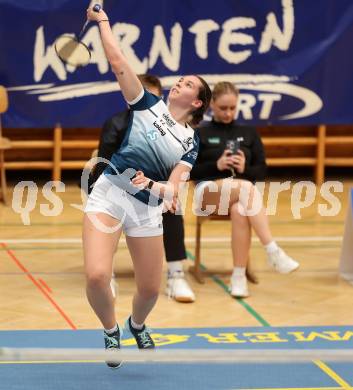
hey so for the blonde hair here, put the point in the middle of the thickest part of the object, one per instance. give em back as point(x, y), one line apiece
point(222, 88)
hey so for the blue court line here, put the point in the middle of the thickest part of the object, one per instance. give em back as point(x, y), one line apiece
point(294, 337)
point(91, 375)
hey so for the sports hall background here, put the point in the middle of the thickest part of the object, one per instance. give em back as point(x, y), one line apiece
point(292, 62)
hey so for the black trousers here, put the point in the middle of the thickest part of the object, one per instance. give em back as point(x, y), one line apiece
point(173, 237)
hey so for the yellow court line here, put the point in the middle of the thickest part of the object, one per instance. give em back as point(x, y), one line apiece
point(332, 374)
point(299, 388)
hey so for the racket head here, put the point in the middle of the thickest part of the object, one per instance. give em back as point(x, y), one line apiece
point(72, 51)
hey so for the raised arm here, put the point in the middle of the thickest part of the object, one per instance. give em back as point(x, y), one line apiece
point(130, 85)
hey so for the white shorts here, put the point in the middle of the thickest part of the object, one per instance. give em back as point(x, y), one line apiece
point(136, 218)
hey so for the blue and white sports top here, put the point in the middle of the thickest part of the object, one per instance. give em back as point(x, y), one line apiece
point(154, 143)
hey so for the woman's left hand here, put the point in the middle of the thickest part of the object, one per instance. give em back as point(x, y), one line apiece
point(239, 161)
point(170, 205)
point(140, 180)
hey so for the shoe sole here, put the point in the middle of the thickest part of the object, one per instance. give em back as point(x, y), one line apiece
point(287, 272)
point(179, 299)
point(184, 299)
point(240, 296)
point(115, 368)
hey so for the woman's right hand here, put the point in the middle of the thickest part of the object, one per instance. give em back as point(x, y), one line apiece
point(140, 180)
point(94, 16)
point(225, 162)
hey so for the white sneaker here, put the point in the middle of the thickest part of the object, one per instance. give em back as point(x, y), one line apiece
point(239, 286)
point(281, 262)
point(178, 288)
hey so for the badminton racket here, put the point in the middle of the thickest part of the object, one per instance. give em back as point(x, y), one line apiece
point(71, 50)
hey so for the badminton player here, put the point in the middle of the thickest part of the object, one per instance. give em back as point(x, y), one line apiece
point(160, 146)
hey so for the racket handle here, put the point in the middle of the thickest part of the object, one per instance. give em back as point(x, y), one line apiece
point(97, 7)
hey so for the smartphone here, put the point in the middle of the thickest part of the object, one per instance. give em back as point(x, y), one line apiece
point(233, 145)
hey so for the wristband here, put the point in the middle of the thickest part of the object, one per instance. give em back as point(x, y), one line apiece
point(103, 20)
point(150, 184)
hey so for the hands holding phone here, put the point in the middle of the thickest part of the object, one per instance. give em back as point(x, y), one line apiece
point(233, 158)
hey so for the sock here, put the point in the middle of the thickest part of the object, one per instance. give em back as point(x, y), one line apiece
point(239, 271)
point(175, 266)
point(134, 325)
point(271, 247)
point(112, 330)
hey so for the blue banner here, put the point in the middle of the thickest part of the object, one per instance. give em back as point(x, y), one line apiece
point(291, 59)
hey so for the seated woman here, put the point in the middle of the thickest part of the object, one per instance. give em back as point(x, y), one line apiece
point(228, 178)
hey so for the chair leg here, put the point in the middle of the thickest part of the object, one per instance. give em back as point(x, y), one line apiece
point(3, 178)
point(196, 270)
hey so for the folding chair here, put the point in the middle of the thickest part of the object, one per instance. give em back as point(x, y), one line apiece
point(196, 270)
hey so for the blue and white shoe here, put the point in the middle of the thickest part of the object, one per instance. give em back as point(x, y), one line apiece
point(112, 343)
point(142, 336)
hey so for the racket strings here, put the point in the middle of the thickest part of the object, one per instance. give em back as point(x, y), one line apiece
point(72, 51)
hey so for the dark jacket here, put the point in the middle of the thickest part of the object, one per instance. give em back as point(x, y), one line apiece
point(213, 138)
